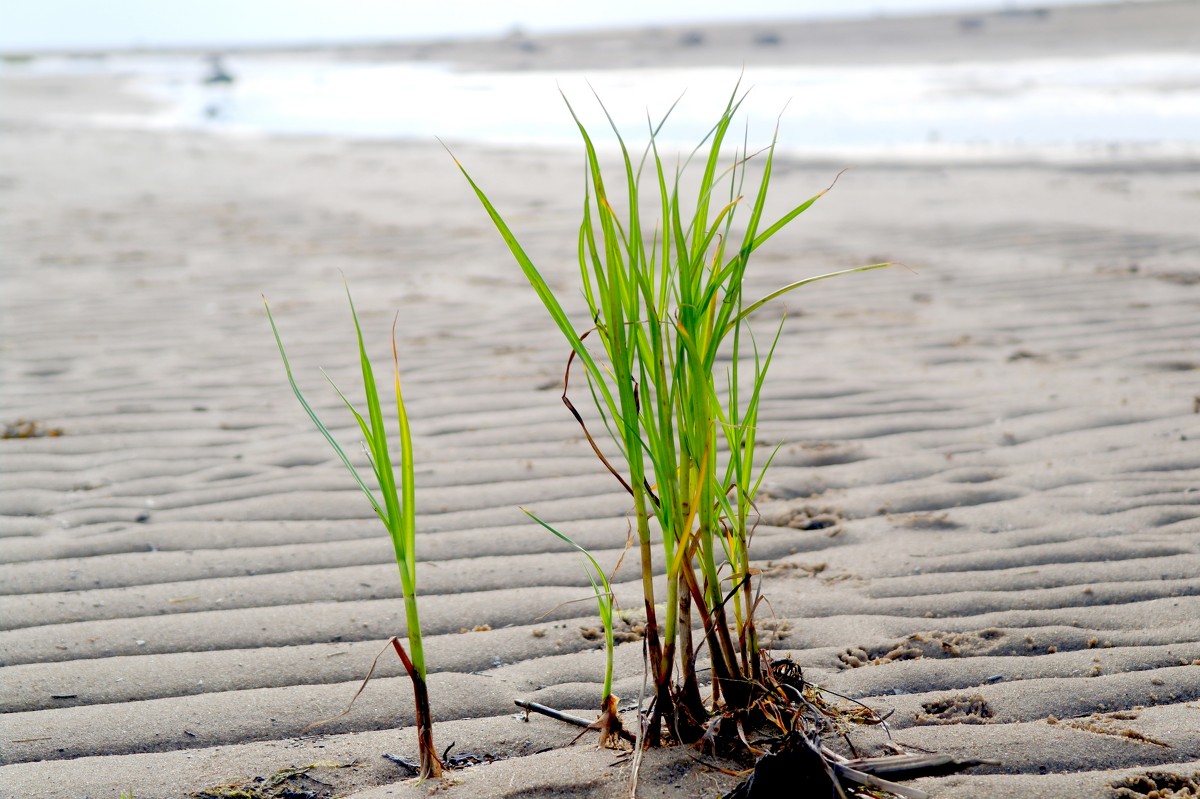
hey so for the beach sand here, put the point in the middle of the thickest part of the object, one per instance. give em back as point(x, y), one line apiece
point(1006, 429)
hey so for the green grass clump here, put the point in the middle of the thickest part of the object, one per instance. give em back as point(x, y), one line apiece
point(396, 507)
point(665, 300)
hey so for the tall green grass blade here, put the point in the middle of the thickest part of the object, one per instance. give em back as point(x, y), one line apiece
point(777, 293)
point(337, 448)
point(377, 443)
point(532, 274)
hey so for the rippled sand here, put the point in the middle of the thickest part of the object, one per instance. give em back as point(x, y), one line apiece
point(1005, 433)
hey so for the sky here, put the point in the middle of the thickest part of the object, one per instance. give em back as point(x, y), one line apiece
point(99, 24)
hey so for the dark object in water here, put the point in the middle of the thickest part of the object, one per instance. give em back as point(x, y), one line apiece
point(217, 74)
point(1028, 13)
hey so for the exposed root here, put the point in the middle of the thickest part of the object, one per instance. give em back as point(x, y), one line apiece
point(789, 720)
point(612, 731)
point(430, 765)
point(796, 762)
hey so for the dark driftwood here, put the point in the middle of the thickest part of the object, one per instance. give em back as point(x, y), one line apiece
point(911, 767)
point(534, 707)
point(609, 723)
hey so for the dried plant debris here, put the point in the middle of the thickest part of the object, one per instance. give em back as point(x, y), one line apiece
point(842, 577)
point(772, 631)
point(1157, 785)
point(803, 772)
point(478, 628)
point(829, 520)
point(1114, 724)
point(26, 428)
point(857, 656)
point(1179, 278)
point(288, 783)
point(961, 709)
point(773, 569)
point(794, 761)
point(458, 761)
point(629, 628)
point(922, 645)
point(926, 521)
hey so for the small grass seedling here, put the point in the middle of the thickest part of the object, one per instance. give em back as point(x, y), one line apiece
point(396, 508)
point(609, 723)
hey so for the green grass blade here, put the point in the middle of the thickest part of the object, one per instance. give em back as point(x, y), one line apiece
point(540, 287)
point(317, 421)
point(408, 504)
point(378, 444)
point(605, 599)
point(792, 286)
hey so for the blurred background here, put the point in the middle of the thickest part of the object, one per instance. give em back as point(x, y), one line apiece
point(80, 24)
point(847, 79)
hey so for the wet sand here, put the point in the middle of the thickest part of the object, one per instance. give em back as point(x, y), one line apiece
point(1006, 431)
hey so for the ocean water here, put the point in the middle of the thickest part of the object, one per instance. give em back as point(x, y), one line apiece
point(1071, 109)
